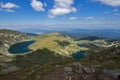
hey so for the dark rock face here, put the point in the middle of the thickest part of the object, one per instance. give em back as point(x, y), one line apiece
point(113, 73)
point(79, 72)
point(1, 43)
point(10, 37)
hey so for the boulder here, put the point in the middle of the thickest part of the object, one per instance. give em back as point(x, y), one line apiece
point(9, 69)
point(68, 69)
point(113, 73)
point(78, 71)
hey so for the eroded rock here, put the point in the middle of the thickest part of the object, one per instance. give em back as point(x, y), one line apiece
point(78, 71)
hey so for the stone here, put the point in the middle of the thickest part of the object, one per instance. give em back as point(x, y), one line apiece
point(92, 69)
point(9, 69)
point(68, 69)
point(77, 64)
point(80, 72)
point(87, 70)
point(113, 73)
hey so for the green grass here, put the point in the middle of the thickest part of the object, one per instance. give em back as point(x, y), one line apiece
point(104, 59)
point(55, 42)
point(52, 51)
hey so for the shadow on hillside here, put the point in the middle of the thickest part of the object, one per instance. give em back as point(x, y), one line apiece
point(39, 57)
point(1, 43)
point(62, 43)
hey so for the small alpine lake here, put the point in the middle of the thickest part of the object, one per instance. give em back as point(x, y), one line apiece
point(82, 45)
point(21, 47)
point(79, 55)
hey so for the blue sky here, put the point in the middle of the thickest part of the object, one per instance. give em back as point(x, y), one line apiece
point(20, 14)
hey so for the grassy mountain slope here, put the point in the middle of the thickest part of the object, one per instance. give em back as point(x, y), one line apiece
point(59, 43)
point(55, 70)
point(51, 53)
point(107, 58)
point(9, 37)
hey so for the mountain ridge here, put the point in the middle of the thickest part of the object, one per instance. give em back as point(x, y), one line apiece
point(52, 53)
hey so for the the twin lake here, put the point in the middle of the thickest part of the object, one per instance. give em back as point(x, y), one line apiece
point(20, 48)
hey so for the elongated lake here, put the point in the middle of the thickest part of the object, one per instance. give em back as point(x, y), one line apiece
point(20, 48)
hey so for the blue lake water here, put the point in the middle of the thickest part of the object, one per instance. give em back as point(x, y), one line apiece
point(79, 55)
point(19, 48)
point(82, 45)
point(98, 42)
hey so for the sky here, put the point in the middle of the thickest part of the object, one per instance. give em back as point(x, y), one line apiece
point(88, 14)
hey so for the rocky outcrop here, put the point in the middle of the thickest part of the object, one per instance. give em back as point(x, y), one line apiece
point(79, 72)
point(115, 52)
point(9, 37)
point(9, 69)
point(113, 73)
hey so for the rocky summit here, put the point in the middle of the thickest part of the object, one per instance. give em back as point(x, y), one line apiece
point(78, 71)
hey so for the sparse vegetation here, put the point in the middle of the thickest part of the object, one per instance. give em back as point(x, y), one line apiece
point(51, 53)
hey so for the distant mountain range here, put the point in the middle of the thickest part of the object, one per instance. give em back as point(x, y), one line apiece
point(108, 34)
point(100, 33)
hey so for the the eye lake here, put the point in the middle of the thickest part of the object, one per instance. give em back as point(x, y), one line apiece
point(21, 47)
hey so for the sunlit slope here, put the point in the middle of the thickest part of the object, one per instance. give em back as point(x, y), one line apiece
point(59, 43)
point(9, 37)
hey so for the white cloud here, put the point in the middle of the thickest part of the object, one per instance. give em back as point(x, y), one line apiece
point(117, 14)
point(0, 9)
point(8, 5)
point(62, 7)
point(90, 18)
point(115, 10)
point(93, 18)
point(37, 5)
point(101, 18)
point(9, 10)
point(106, 12)
point(72, 18)
point(113, 3)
